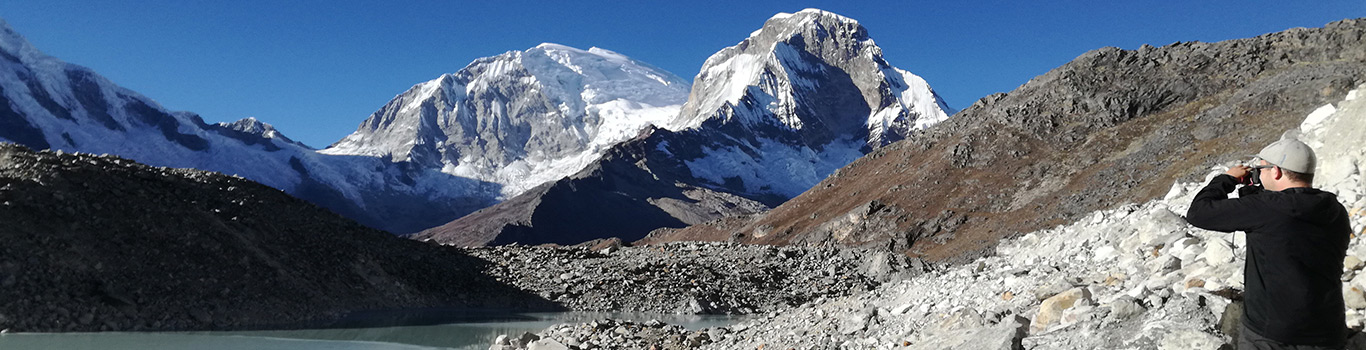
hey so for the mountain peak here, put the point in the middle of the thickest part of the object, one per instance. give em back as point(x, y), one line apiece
point(251, 125)
point(812, 15)
point(15, 47)
point(522, 118)
point(554, 46)
point(761, 80)
point(784, 25)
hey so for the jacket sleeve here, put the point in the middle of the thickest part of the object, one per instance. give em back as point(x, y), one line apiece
point(1248, 191)
point(1213, 210)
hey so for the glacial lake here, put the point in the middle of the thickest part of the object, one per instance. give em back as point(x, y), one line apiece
point(473, 333)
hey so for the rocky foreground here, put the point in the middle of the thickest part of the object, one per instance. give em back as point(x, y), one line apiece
point(692, 277)
point(1133, 277)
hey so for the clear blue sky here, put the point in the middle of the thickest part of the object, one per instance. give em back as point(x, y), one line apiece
point(316, 69)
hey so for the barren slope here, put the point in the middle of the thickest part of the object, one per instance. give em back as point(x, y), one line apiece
point(1111, 127)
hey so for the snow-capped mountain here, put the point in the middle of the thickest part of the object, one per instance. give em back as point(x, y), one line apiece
point(47, 103)
point(765, 120)
point(522, 118)
point(250, 125)
point(804, 95)
point(775, 75)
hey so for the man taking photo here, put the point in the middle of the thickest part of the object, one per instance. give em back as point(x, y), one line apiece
point(1296, 239)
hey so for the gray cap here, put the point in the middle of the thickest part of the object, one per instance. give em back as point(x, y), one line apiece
point(1290, 154)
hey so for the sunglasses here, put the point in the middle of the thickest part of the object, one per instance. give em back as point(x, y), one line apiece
point(1255, 173)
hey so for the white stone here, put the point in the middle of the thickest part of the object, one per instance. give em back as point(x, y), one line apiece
point(1348, 195)
point(901, 310)
point(1190, 254)
point(1175, 192)
point(1162, 265)
point(1138, 292)
point(1104, 253)
point(1352, 263)
point(1185, 242)
point(1162, 282)
point(1359, 281)
point(546, 344)
point(1217, 252)
point(1098, 217)
point(1051, 310)
point(1123, 308)
point(1353, 297)
point(1160, 226)
point(1316, 118)
point(1188, 339)
point(1075, 314)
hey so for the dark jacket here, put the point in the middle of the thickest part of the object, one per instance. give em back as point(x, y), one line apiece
point(1296, 240)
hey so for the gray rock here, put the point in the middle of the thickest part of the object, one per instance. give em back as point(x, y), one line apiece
point(1124, 308)
point(1353, 297)
point(524, 339)
point(1190, 339)
point(1051, 310)
point(1218, 252)
point(1005, 335)
point(546, 344)
point(1163, 264)
point(857, 322)
point(1055, 285)
point(1162, 226)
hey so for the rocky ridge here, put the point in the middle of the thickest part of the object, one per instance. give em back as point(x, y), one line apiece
point(1133, 277)
point(691, 278)
point(102, 243)
point(1110, 127)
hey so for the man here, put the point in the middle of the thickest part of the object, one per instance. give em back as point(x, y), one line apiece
point(1296, 239)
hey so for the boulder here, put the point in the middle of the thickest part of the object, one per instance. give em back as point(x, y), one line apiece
point(1124, 308)
point(546, 344)
point(1160, 226)
point(1353, 297)
point(1052, 287)
point(1217, 252)
point(1352, 263)
point(1051, 311)
point(1162, 265)
point(857, 322)
point(1104, 254)
point(962, 319)
point(1005, 335)
point(1189, 339)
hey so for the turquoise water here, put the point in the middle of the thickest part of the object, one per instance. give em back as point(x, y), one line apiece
point(461, 335)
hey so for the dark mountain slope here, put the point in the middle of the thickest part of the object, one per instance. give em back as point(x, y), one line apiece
point(1112, 126)
point(102, 243)
point(633, 189)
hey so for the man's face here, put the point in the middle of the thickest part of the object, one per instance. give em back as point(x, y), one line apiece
point(1267, 174)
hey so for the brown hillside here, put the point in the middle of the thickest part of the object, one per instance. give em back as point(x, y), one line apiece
point(1111, 127)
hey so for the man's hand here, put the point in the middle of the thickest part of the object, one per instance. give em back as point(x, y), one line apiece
point(1239, 172)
